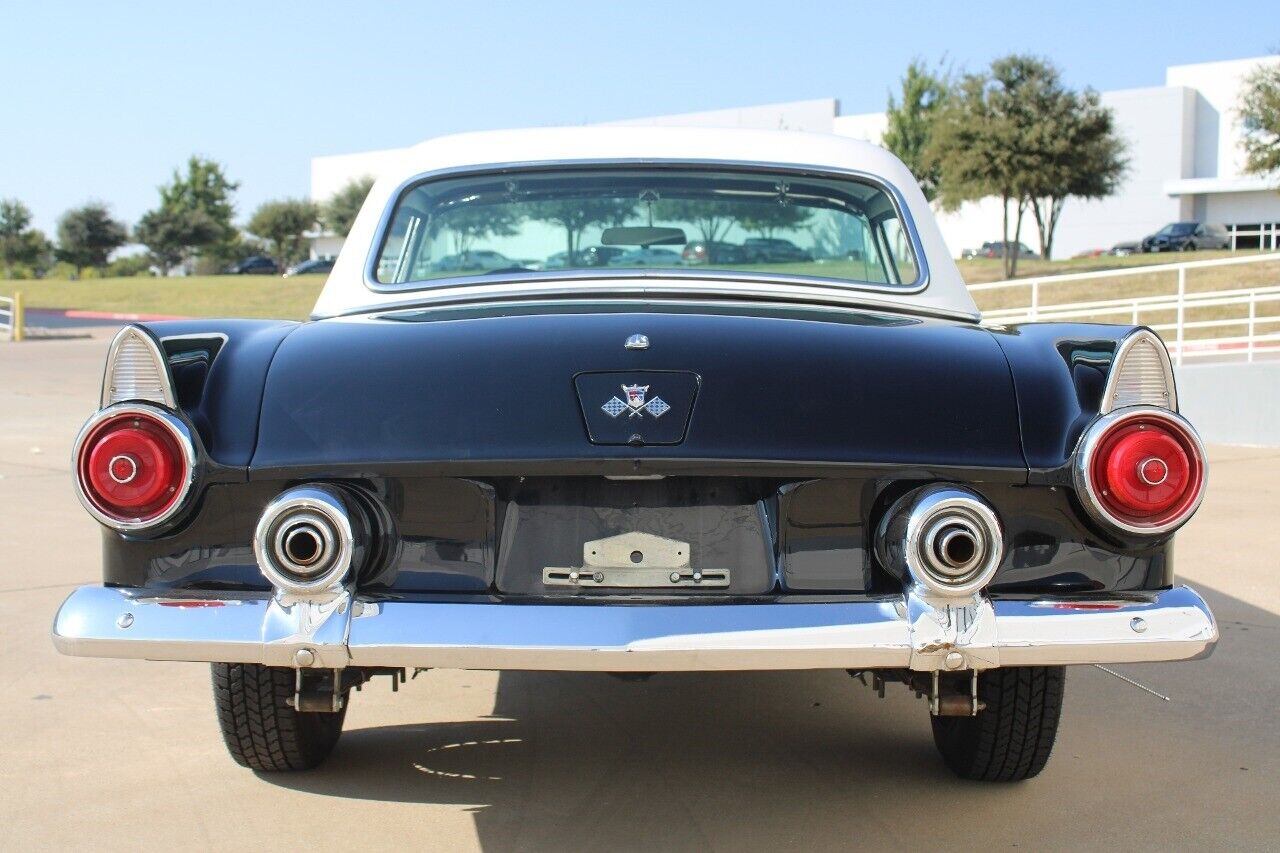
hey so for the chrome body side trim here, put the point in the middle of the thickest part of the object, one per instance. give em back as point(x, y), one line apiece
point(1082, 461)
point(181, 432)
point(899, 632)
point(904, 214)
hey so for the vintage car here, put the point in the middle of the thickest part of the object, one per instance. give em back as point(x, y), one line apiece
point(638, 470)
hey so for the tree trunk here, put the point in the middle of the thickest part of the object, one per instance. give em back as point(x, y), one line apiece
point(1017, 238)
point(1004, 235)
point(1041, 222)
point(1055, 211)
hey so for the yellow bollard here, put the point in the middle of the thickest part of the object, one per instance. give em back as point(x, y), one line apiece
point(18, 331)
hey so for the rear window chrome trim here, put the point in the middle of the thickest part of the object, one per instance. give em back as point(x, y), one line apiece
point(643, 288)
point(920, 283)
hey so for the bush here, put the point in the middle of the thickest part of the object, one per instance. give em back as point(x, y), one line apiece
point(62, 269)
point(131, 265)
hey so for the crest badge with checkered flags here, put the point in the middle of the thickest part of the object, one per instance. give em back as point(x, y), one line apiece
point(636, 406)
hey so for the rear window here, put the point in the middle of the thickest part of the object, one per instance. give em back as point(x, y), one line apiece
point(547, 222)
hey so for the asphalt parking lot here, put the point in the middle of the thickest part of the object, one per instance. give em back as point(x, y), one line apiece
point(110, 754)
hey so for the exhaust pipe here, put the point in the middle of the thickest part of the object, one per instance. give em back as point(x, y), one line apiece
point(309, 538)
point(943, 538)
point(957, 548)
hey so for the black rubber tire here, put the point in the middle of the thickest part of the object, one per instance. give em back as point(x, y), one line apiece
point(1010, 740)
point(262, 731)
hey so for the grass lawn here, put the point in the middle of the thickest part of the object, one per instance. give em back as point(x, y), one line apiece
point(194, 296)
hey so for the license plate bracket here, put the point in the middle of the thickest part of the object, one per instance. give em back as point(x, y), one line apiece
point(636, 560)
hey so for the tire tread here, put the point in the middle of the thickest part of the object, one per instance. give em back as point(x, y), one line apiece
point(1011, 739)
point(261, 730)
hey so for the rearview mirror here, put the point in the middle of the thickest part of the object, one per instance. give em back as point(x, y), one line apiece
point(644, 236)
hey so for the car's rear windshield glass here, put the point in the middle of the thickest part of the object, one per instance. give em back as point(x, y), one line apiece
point(617, 219)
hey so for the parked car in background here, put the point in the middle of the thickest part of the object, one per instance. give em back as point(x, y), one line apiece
point(642, 471)
point(599, 256)
point(1186, 237)
point(592, 256)
point(773, 250)
point(475, 259)
point(1121, 250)
point(255, 265)
point(651, 256)
point(713, 252)
point(995, 249)
point(315, 266)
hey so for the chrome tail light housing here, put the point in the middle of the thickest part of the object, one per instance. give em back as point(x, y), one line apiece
point(135, 466)
point(1140, 470)
point(135, 460)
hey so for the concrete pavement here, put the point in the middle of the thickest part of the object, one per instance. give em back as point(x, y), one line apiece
point(109, 754)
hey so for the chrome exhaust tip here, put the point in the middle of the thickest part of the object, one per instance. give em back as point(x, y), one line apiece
point(308, 539)
point(943, 538)
point(303, 545)
point(956, 548)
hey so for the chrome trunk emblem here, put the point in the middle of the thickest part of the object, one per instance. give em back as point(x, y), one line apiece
point(636, 405)
point(637, 342)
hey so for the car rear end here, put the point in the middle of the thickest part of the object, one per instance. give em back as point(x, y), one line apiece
point(645, 471)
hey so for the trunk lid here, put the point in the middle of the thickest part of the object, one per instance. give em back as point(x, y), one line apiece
point(520, 382)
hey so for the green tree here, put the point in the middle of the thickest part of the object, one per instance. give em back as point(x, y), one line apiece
point(1260, 116)
point(712, 217)
point(769, 220)
point(130, 265)
point(284, 225)
point(911, 121)
point(473, 222)
point(194, 216)
point(341, 208)
point(576, 215)
point(990, 140)
point(88, 235)
point(16, 244)
point(40, 254)
point(173, 235)
point(1072, 146)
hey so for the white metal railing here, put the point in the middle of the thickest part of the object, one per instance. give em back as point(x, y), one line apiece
point(1267, 235)
point(11, 321)
point(1262, 308)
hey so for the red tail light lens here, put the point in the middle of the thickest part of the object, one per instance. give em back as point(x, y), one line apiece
point(1141, 470)
point(133, 466)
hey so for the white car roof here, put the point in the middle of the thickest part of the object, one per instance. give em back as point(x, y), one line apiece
point(347, 290)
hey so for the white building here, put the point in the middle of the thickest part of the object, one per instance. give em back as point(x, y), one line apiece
point(1185, 161)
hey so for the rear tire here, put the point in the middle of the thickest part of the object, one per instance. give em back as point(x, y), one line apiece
point(1010, 740)
point(262, 731)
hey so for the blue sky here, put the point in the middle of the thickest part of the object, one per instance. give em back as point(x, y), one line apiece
point(103, 100)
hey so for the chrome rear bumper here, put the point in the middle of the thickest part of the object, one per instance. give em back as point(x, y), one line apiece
point(904, 632)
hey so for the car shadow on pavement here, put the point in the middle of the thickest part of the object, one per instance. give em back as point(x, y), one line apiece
point(767, 759)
